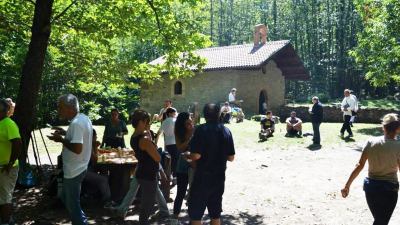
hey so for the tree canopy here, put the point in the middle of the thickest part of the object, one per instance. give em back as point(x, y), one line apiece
point(378, 49)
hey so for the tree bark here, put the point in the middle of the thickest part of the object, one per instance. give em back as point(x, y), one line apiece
point(32, 70)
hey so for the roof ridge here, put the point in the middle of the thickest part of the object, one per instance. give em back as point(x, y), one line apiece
point(239, 46)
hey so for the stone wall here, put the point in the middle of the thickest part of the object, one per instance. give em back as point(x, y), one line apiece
point(334, 114)
point(214, 86)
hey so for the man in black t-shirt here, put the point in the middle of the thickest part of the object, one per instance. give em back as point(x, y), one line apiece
point(211, 147)
point(267, 127)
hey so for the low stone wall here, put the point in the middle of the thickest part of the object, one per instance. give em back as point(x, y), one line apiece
point(334, 114)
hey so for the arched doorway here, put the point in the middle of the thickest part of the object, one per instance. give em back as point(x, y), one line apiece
point(262, 102)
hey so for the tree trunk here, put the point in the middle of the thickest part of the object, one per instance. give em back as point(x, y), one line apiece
point(32, 72)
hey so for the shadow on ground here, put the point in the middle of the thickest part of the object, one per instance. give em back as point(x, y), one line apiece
point(242, 218)
point(35, 206)
point(374, 131)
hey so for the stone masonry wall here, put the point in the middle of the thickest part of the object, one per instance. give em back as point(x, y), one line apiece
point(214, 86)
point(334, 114)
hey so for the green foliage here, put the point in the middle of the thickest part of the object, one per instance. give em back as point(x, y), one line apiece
point(99, 50)
point(100, 99)
point(378, 49)
point(322, 32)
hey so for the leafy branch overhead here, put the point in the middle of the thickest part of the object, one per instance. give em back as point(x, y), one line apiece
point(378, 49)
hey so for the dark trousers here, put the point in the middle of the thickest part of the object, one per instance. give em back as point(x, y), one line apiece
point(225, 117)
point(317, 137)
point(95, 183)
point(182, 183)
point(346, 125)
point(173, 152)
point(381, 205)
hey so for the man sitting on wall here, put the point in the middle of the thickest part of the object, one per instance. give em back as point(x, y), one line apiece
point(226, 113)
point(232, 99)
point(267, 127)
point(293, 125)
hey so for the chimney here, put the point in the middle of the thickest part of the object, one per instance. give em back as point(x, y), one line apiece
point(260, 34)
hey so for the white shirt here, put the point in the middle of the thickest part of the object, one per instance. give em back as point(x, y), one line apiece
point(80, 131)
point(351, 102)
point(226, 109)
point(167, 127)
point(231, 97)
point(162, 111)
point(356, 102)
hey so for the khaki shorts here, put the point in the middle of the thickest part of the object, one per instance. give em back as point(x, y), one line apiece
point(7, 185)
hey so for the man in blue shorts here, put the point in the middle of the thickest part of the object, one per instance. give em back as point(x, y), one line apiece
point(211, 147)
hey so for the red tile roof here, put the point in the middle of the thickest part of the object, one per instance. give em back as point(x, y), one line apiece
point(248, 56)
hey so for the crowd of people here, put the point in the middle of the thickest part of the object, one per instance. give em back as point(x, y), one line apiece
point(197, 161)
point(199, 156)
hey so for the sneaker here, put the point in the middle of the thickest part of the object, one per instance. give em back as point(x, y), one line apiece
point(287, 135)
point(300, 133)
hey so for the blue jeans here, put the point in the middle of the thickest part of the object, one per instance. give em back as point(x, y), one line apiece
point(131, 194)
point(71, 198)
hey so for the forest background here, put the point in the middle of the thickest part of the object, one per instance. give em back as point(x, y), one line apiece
point(99, 50)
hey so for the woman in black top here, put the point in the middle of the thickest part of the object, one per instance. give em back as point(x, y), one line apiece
point(148, 161)
point(183, 133)
point(114, 131)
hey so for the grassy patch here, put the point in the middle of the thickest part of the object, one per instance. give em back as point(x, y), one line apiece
point(246, 137)
point(381, 103)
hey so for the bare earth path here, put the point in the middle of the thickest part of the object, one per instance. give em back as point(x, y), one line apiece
point(277, 182)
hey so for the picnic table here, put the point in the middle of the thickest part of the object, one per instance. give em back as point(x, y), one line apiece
point(119, 164)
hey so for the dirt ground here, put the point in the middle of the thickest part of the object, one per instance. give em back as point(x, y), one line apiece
point(266, 184)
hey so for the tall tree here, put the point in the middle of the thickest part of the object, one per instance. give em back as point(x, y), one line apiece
point(101, 22)
point(378, 49)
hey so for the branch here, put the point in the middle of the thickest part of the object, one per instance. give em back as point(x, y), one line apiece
point(63, 12)
point(151, 4)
